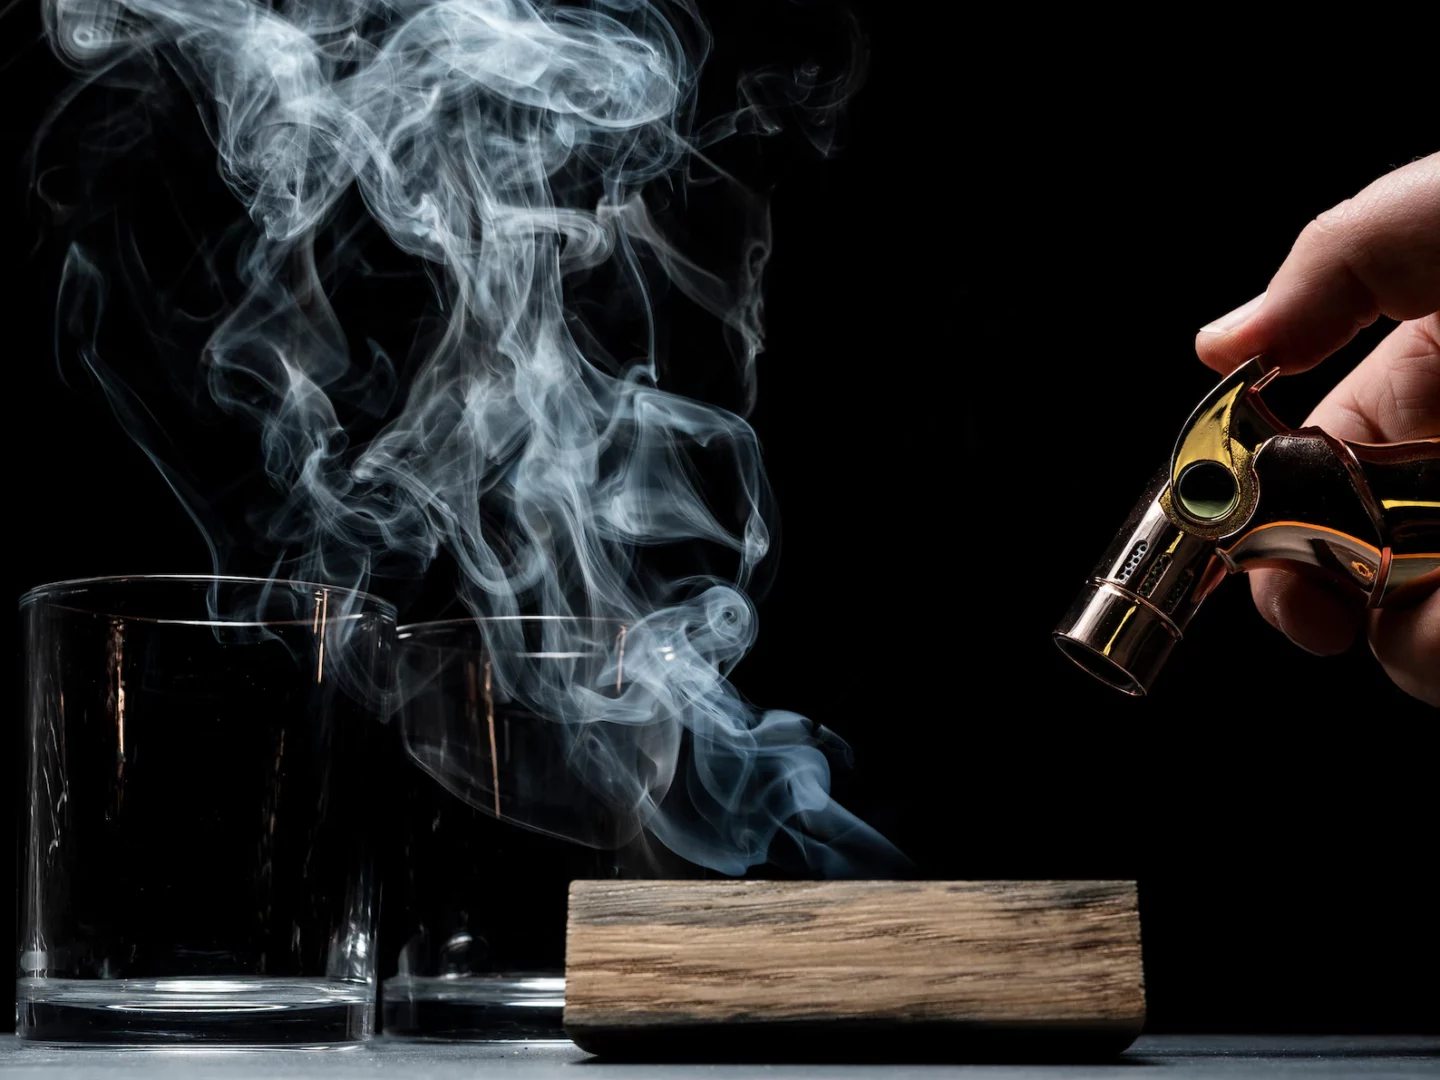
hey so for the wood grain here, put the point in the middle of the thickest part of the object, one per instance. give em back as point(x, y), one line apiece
point(737, 959)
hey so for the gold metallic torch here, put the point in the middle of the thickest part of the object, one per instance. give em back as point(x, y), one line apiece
point(1243, 491)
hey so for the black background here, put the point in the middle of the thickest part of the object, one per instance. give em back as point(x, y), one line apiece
point(980, 321)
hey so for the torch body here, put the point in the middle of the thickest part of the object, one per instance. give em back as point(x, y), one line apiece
point(1243, 491)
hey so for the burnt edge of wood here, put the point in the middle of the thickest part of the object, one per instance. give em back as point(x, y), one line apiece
point(1046, 894)
point(861, 1041)
point(591, 903)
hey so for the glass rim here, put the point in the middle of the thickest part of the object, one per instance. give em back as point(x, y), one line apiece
point(59, 588)
point(428, 624)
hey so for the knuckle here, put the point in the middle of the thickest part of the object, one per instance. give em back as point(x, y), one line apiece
point(1353, 418)
point(1428, 327)
point(1412, 396)
point(1332, 237)
point(1336, 223)
point(1352, 241)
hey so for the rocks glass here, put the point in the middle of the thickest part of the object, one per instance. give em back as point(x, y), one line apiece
point(198, 852)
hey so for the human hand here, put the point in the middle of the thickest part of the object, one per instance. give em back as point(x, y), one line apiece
point(1376, 254)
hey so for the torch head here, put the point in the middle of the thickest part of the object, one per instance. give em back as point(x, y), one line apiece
point(1167, 558)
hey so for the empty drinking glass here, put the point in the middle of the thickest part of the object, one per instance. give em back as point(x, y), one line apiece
point(198, 850)
point(520, 771)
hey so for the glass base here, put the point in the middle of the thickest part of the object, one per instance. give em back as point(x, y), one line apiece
point(492, 1008)
point(231, 1012)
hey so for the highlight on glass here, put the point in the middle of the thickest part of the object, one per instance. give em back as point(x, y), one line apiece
point(199, 859)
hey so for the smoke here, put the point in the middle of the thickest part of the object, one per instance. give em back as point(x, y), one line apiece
point(541, 162)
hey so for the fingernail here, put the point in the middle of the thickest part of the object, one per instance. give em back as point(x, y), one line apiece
point(1235, 319)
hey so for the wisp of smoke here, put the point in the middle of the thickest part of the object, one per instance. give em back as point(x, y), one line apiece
point(508, 146)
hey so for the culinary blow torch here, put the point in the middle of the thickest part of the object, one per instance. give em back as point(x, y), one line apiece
point(1243, 491)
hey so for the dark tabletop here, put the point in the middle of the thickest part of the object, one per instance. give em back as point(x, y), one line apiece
point(1177, 1056)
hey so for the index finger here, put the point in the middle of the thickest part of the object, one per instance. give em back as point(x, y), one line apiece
point(1376, 254)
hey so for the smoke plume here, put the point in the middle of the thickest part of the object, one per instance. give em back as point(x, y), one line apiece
point(534, 158)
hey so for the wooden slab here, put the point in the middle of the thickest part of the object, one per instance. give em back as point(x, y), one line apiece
point(889, 969)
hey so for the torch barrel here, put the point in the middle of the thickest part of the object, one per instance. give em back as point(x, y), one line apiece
point(1141, 596)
